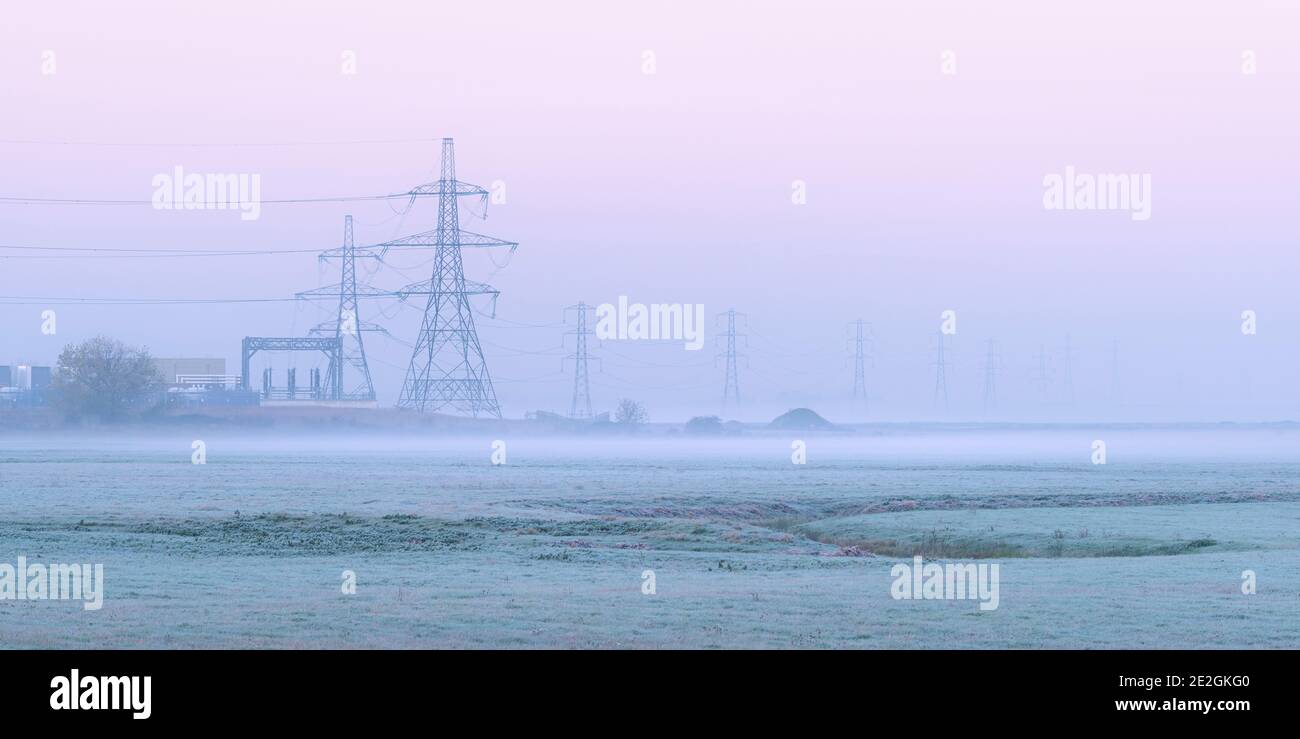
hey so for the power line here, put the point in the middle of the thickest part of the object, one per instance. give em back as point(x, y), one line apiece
point(801, 355)
point(549, 377)
point(551, 351)
point(18, 200)
point(644, 363)
point(40, 300)
point(517, 324)
point(91, 252)
point(204, 145)
point(625, 384)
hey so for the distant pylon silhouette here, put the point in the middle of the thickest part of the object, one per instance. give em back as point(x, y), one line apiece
point(347, 326)
point(860, 339)
point(447, 369)
point(1042, 374)
point(1114, 372)
point(731, 386)
point(941, 375)
point(992, 364)
point(581, 405)
point(1067, 376)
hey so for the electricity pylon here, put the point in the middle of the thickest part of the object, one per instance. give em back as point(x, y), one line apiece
point(447, 367)
point(348, 326)
point(1067, 377)
point(992, 364)
point(861, 337)
point(941, 375)
point(731, 386)
point(1114, 373)
point(581, 405)
point(1042, 375)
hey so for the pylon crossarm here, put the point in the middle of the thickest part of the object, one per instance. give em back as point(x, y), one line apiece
point(331, 292)
point(359, 252)
point(426, 287)
point(330, 328)
point(465, 239)
point(447, 187)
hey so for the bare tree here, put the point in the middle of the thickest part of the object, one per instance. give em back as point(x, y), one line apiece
point(630, 413)
point(105, 378)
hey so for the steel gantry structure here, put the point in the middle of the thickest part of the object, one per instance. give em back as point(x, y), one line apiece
point(254, 344)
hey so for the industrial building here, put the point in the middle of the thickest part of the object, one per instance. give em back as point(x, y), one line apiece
point(24, 385)
point(185, 372)
point(201, 381)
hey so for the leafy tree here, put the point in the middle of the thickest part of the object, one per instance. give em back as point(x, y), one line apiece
point(105, 378)
point(630, 413)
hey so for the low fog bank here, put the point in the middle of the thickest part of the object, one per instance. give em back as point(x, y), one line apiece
point(883, 443)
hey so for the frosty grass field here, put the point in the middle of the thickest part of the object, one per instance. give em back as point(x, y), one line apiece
point(748, 550)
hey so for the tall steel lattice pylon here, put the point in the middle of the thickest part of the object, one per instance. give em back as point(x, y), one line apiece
point(941, 375)
point(1114, 372)
point(348, 326)
point(861, 337)
point(1067, 376)
point(447, 368)
point(581, 405)
point(992, 364)
point(731, 386)
point(1042, 375)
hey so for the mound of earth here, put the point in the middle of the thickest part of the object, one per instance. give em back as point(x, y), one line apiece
point(801, 419)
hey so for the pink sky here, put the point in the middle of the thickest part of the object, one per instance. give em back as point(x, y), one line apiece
point(924, 189)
